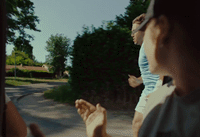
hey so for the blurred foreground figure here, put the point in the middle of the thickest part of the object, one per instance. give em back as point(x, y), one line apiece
point(15, 125)
point(172, 48)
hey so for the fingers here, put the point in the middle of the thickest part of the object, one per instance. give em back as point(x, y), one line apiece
point(98, 117)
point(131, 76)
point(86, 114)
point(82, 104)
point(35, 130)
point(100, 108)
point(132, 82)
point(99, 111)
point(81, 111)
point(84, 108)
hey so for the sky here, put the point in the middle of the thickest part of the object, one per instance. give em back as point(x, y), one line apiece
point(68, 17)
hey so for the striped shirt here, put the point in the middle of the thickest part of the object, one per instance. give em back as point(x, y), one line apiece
point(149, 79)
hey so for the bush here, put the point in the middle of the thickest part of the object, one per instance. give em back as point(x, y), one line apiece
point(62, 94)
point(102, 60)
point(29, 73)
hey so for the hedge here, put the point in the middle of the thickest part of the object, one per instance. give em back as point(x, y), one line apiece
point(29, 73)
point(102, 59)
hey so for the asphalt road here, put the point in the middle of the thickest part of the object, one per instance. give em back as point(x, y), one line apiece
point(18, 91)
point(118, 127)
point(49, 128)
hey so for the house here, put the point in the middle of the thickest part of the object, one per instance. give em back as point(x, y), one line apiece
point(47, 67)
point(60, 74)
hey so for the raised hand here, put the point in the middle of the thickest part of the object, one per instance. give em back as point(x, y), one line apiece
point(84, 108)
point(133, 81)
point(94, 117)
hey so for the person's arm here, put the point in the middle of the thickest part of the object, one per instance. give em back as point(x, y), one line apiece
point(15, 125)
point(134, 82)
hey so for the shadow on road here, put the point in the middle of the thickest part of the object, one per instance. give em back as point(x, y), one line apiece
point(52, 117)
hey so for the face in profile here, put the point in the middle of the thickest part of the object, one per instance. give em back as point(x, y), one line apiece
point(138, 36)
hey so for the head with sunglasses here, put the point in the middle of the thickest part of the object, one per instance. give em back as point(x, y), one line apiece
point(171, 43)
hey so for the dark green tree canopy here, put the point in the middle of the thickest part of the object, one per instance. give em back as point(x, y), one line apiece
point(134, 9)
point(21, 16)
point(103, 57)
point(105, 54)
point(58, 47)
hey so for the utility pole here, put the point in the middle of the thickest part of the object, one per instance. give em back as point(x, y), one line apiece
point(15, 65)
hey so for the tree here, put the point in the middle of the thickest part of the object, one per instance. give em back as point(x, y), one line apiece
point(23, 45)
point(21, 16)
point(20, 58)
point(102, 59)
point(134, 9)
point(58, 47)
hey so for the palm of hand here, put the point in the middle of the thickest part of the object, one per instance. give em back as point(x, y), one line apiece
point(96, 122)
point(94, 118)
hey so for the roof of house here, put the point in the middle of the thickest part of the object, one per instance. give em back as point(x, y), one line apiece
point(8, 67)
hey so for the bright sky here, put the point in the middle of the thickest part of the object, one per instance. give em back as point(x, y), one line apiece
point(68, 17)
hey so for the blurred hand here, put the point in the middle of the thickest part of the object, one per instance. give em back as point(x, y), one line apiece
point(35, 130)
point(133, 81)
point(95, 118)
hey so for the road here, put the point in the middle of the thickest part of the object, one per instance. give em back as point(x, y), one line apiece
point(73, 125)
point(18, 91)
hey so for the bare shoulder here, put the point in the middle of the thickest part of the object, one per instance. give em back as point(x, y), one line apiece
point(158, 97)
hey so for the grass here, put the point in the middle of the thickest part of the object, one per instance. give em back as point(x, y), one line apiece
point(62, 94)
point(10, 81)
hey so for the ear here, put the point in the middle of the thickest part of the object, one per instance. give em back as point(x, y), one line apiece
point(162, 34)
point(163, 31)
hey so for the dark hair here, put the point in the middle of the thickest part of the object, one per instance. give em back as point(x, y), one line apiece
point(191, 28)
point(187, 18)
point(139, 19)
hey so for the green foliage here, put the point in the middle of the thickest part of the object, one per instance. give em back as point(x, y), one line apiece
point(12, 81)
point(61, 94)
point(58, 47)
point(134, 9)
point(21, 16)
point(29, 73)
point(22, 44)
point(37, 63)
point(21, 58)
point(102, 57)
point(18, 81)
